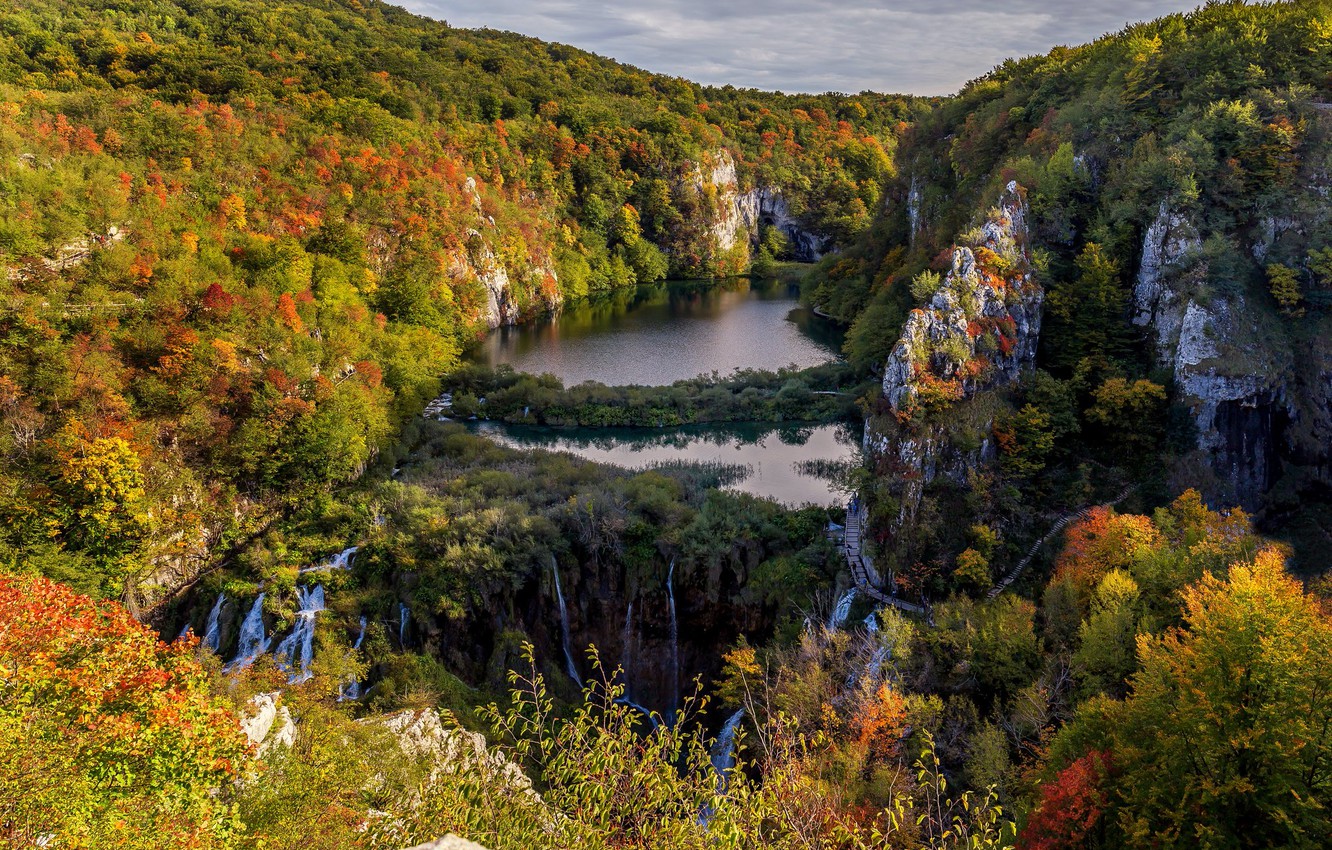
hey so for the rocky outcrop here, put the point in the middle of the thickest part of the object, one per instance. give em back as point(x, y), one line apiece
point(267, 723)
point(479, 261)
point(421, 735)
point(449, 842)
point(977, 332)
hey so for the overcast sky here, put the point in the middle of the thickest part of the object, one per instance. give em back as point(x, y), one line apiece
point(909, 46)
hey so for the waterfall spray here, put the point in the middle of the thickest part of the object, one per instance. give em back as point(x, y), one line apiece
point(296, 651)
point(626, 653)
point(340, 561)
point(569, 666)
point(842, 611)
point(352, 690)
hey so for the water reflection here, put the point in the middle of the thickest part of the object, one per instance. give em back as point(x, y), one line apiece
point(658, 334)
point(788, 463)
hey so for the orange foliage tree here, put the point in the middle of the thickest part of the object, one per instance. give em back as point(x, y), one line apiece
point(108, 737)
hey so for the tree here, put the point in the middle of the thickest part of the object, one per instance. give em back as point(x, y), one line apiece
point(1284, 284)
point(107, 735)
point(1226, 740)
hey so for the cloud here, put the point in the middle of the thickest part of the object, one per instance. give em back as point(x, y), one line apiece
point(913, 46)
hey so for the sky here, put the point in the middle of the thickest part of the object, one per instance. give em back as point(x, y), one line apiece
point(902, 46)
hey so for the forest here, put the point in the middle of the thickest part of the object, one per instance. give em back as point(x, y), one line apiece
point(251, 598)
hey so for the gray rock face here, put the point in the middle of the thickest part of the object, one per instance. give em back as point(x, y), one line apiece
point(978, 331)
point(765, 206)
point(1231, 370)
point(479, 261)
point(739, 216)
point(939, 340)
point(268, 724)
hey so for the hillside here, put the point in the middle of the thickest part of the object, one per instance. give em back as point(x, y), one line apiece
point(243, 241)
point(1175, 178)
point(252, 598)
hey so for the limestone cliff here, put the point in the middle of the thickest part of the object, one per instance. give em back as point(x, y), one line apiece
point(977, 332)
point(1233, 365)
point(515, 284)
point(733, 220)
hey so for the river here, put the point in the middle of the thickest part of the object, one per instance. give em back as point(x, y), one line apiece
point(655, 335)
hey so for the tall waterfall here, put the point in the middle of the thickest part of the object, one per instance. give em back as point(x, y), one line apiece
point(842, 611)
point(252, 642)
point(404, 617)
point(212, 634)
point(352, 690)
point(296, 651)
point(569, 665)
point(675, 644)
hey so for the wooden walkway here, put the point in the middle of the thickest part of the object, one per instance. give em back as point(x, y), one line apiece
point(862, 566)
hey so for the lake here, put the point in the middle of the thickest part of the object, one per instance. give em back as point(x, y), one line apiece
point(656, 335)
point(783, 462)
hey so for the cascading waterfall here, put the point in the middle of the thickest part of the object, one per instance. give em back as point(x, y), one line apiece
point(564, 625)
point(723, 752)
point(675, 643)
point(340, 561)
point(875, 666)
point(252, 642)
point(842, 611)
point(296, 651)
point(212, 633)
point(872, 623)
point(404, 617)
point(352, 690)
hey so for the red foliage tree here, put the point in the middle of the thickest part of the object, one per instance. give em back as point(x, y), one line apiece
point(1071, 806)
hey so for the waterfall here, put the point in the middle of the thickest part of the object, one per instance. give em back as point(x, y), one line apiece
point(297, 649)
point(872, 623)
point(352, 690)
point(626, 655)
point(723, 761)
point(875, 666)
point(652, 718)
point(212, 634)
point(675, 643)
point(404, 618)
point(723, 752)
point(842, 611)
point(564, 625)
point(252, 642)
point(340, 561)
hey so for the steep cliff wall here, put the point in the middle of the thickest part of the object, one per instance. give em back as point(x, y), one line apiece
point(1234, 365)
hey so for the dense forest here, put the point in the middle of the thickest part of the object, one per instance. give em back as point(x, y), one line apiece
point(1086, 303)
point(244, 241)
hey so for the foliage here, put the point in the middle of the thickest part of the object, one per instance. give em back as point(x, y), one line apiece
point(107, 735)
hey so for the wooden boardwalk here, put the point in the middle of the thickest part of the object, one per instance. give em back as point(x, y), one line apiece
point(862, 566)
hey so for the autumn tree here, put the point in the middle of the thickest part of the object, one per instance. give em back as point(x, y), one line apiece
point(1226, 740)
point(108, 737)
